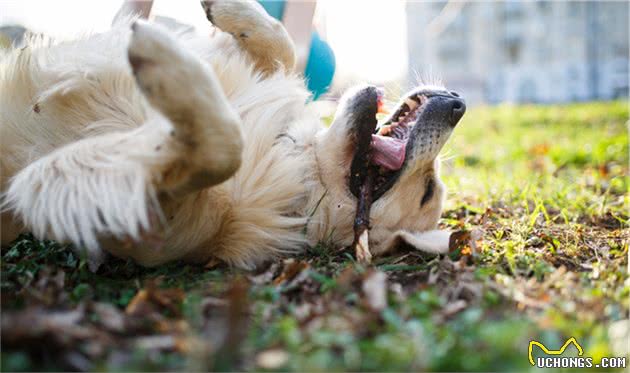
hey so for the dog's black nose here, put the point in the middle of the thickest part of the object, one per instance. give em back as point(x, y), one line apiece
point(458, 108)
point(443, 108)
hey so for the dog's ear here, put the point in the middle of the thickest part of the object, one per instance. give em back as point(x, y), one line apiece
point(356, 114)
point(432, 242)
point(356, 111)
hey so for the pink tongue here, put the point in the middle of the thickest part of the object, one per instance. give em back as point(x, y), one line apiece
point(388, 152)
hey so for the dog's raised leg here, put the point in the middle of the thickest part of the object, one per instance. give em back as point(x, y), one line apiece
point(187, 92)
point(262, 36)
point(111, 185)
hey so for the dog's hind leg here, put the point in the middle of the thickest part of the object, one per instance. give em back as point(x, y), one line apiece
point(112, 186)
point(263, 37)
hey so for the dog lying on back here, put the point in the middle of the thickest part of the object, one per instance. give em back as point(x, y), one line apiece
point(159, 147)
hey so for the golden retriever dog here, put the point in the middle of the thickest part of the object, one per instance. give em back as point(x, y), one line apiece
point(156, 146)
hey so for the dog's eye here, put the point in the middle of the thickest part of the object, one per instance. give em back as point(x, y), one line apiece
point(428, 192)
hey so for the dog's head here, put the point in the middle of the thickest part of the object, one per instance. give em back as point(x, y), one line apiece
point(401, 154)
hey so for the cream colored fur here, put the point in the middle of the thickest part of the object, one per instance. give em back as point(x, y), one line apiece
point(159, 147)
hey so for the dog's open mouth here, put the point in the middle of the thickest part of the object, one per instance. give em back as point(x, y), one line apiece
point(382, 149)
point(379, 157)
point(390, 140)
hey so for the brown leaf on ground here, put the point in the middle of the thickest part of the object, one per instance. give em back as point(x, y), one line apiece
point(233, 323)
point(292, 269)
point(266, 275)
point(47, 289)
point(36, 323)
point(458, 239)
point(272, 359)
point(56, 333)
point(139, 304)
point(153, 299)
point(375, 290)
point(539, 149)
point(465, 243)
point(454, 308)
point(109, 316)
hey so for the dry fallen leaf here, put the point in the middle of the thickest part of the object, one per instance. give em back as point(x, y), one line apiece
point(272, 359)
point(539, 149)
point(153, 299)
point(233, 322)
point(167, 342)
point(375, 290)
point(454, 307)
point(109, 316)
point(466, 250)
point(139, 304)
point(458, 239)
point(291, 270)
point(34, 323)
point(467, 242)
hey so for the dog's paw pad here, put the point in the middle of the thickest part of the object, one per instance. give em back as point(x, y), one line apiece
point(207, 8)
point(162, 69)
point(150, 45)
point(236, 17)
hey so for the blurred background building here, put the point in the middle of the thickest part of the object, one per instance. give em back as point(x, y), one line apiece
point(522, 52)
point(490, 51)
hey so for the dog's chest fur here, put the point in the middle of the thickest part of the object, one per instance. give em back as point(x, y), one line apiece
point(264, 207)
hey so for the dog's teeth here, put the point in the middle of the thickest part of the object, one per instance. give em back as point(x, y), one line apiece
point(411, 103)
point(385, 130)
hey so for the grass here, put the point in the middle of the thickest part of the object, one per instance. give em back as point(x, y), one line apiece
point(545, 187)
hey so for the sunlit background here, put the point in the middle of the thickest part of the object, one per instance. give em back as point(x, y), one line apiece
point(368, 38)
point(521, 52)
